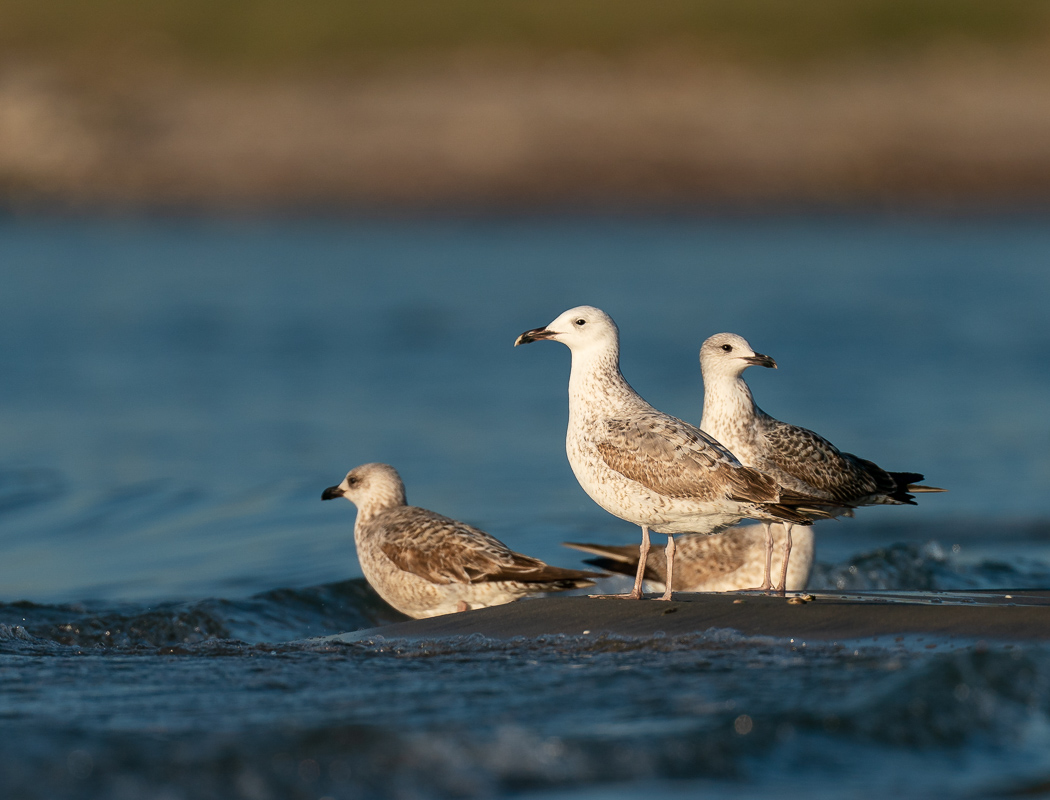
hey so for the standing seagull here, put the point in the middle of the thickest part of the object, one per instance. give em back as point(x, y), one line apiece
point(425, 565)
point(645, 466)
point(794, 457)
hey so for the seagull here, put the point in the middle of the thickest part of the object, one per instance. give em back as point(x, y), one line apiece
point(796, 458)
point(730, 561)
point(426, 565)
point(645, 466)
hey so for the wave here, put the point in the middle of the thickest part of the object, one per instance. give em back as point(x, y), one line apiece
point(928, 567)
point(485, 720)
point(277, 615)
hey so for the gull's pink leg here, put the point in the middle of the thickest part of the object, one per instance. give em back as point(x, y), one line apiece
point(669, 552)
point(766, 582)
point(643, 554)
point(787, 555)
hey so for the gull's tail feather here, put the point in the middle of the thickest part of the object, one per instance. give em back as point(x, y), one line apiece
point(564, 586)
point(614, 567)
point(902, 479)
point(557, 577)
point(802, 509)
point(905, 484)
point(622, 554)
point(616, 559)
point(923, 489)
point(784, 513)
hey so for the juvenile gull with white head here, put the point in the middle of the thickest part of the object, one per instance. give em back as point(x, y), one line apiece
point(794, 457)
point(645, 466)
point(425, 565)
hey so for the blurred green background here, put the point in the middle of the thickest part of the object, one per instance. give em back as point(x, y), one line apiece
point(581, 103)
point(273, 34)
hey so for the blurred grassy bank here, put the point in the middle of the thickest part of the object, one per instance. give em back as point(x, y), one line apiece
point(417, 104)
point(277, 35)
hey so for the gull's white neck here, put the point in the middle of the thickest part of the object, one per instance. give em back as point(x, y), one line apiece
point(729, 410)
point(596, 386)
point(380, 499)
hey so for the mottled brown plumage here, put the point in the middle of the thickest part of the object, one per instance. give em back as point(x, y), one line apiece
point(425, 564)
point(677, 460)
point(796, 458)
point(442, 550)
point(829, 473)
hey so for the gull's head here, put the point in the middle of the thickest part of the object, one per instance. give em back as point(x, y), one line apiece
point(580, 329)
point(726, 354)
point(369, 486)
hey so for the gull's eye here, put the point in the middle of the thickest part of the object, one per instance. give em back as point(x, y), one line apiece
point(581, 322)
point(351, 481)
point(728, 348)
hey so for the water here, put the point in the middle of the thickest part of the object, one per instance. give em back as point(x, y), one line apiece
point(175, 395)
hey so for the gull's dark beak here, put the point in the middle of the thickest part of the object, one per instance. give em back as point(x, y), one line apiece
point(331, 493)
point(760, 360)
point(533, 336)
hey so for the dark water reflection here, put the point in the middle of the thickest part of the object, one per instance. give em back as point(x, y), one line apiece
point(475, 718)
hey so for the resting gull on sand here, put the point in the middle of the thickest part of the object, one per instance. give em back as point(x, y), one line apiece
point(425, 565)
point(794, 457)
point(645, 466)
point(726, 562)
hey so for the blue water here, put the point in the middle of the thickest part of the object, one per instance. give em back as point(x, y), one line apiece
point(175, 394)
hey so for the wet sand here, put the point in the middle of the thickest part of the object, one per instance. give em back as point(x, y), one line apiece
point(877, 617)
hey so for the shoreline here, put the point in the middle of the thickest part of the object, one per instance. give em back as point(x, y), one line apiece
point(877, 617)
